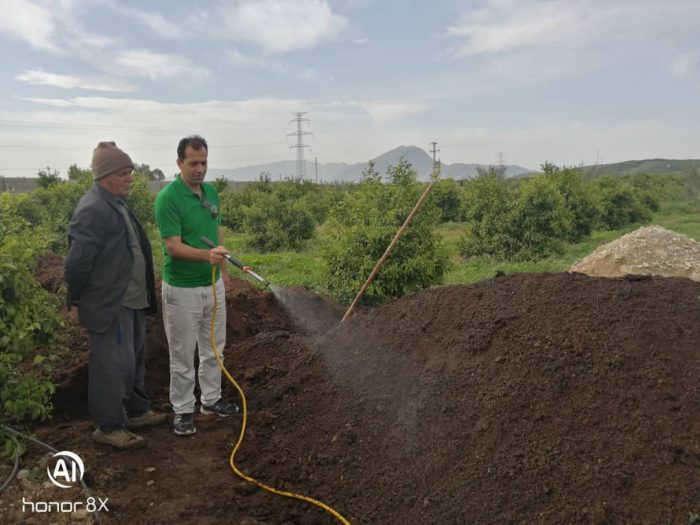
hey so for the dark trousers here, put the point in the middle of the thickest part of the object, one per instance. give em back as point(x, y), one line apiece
point(116, 372)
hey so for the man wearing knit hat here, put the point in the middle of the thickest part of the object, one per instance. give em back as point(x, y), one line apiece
point(109, 272)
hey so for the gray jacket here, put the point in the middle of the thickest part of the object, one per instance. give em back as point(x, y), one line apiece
point(99, 261)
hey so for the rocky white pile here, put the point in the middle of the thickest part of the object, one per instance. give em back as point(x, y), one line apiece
point(651, 250)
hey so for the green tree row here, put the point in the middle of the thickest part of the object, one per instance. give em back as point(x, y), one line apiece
point(536, 216)
point(28, 318)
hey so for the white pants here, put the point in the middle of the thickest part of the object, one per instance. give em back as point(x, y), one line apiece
point(187, 314)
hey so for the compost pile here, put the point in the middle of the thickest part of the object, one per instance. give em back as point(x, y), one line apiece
point(651, 250)
point(530, 398)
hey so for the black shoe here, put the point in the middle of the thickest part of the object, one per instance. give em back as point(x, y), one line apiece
point(183, 424)
point(220, 408)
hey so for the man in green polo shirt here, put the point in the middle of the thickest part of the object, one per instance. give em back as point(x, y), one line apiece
point(187, 210)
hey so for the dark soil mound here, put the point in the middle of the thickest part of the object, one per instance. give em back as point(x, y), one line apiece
point(49, 272)
point(552, 398)
point(536, 398)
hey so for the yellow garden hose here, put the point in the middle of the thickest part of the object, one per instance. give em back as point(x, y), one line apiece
point(232, 463)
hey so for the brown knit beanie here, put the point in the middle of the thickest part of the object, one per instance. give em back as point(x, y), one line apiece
point(107, 158)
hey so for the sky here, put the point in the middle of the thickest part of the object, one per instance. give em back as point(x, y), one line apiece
point(519, 81)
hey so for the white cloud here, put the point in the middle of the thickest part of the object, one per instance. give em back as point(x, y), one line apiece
point(280, 26)
point(28, 21)
point(243, 61)
point(147, 64)
point(497, 29)
point(685, 65)
point(383, 111)
point(156, 22)
point(540, 41)
point(261, 110)
point(511, 25)
point(38, 77)
point(271, 65)
point(56, 102)
point(50, 25)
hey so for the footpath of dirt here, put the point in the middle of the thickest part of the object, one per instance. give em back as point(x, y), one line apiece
point(530, 398)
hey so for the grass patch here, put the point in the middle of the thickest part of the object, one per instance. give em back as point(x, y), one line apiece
point(286, 268)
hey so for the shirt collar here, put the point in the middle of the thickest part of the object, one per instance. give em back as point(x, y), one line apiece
point(186, 190)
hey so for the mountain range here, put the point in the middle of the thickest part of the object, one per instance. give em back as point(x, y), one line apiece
point(648, 166)
point(341, 172)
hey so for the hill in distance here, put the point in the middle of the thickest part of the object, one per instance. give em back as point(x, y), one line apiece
point(648, 166)
point(339, 171)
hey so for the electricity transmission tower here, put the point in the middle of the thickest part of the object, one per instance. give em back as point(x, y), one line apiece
point(299, 146)
point(500, 159)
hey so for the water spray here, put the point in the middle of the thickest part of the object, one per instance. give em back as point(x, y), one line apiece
point(239, 264)
point(297, 308)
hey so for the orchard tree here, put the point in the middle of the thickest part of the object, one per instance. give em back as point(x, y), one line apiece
point(220, 183)
point(145, 171)
point(77, 174)
point(579, 200)
point(363, 224)
point(273, 223)
point(539, 221)
point(449, 199)
point(48, 177)
point(28, 319)
point(488, 204)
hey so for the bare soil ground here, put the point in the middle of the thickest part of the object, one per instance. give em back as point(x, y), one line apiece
point(530, 398)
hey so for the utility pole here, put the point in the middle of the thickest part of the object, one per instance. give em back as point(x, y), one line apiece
point(500, 159)
point(301, 165)
point(436, 163)
point(316, 166)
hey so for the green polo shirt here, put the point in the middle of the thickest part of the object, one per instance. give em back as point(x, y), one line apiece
point(181, 212)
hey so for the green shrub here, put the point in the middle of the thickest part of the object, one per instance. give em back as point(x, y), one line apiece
point(231, 204)
point(221, 184)
point(51, 208)
point(273, 223)
point(48, 178)
point(361, 227)
point(239, 214)
point(539, 222)
point(141, 200)
point(77, 174)
point(579, 201)
point(488, 204)
point(620, 203)
point(529, 221)
point(449, 200)
point(27, 318)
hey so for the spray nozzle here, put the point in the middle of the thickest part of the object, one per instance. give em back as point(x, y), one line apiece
point(237, 263)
